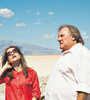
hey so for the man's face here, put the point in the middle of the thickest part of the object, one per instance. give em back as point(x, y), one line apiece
point(65, 39)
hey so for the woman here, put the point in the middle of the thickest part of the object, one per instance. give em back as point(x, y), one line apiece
point(21, 82)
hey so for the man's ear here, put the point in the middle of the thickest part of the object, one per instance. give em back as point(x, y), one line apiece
point(73, 38)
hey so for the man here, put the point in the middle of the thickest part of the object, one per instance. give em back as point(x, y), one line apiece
point(70, 78)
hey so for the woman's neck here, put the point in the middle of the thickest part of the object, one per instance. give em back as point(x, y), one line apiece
point(17, 67)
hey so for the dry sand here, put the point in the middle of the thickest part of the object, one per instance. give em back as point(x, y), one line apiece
point(43, 64)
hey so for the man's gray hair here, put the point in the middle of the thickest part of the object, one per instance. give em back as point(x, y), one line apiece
point(74, 32)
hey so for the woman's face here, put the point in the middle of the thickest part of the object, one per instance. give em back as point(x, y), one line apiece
point(13, 55)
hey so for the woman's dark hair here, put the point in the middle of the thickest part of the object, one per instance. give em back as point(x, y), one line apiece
point(74, 32)
point(22, 61)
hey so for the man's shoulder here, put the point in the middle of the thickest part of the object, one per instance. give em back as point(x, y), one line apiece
point(83, 51)
point(80, 51)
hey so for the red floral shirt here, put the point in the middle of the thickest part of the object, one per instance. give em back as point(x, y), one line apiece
point(21, 87)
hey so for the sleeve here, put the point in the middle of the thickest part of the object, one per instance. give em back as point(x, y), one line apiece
point(35, 86)
point(84, 74)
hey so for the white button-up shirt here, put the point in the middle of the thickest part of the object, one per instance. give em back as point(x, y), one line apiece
point(70, 74)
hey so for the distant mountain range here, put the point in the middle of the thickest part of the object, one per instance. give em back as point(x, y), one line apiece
point(27, 48)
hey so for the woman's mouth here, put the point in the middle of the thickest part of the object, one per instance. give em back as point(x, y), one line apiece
point(13, 57)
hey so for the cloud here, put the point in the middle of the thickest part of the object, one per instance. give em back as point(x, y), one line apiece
point(85, 36)
point(0, 25)
point(28, 11)
point(51, 13)
point(17, 18)
point(38, 13)
point(48, 36)
point(6, 13)
point(20, 25)
point(38, 22)
point(19, 32)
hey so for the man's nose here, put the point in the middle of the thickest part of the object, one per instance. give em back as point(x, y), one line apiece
point(59, 39)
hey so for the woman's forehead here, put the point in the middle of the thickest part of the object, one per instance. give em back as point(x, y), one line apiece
point(10, 49)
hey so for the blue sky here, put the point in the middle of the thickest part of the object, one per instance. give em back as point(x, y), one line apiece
point(37, 21)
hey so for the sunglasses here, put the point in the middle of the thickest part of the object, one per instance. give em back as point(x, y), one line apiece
point(10, 52)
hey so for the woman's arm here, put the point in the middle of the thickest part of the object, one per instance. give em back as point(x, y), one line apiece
point(35, 86)
point(4, 68)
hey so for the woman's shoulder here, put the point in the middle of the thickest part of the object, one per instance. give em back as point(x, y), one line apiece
point(31, 70)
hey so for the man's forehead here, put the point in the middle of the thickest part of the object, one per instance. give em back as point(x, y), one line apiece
point(63, 31)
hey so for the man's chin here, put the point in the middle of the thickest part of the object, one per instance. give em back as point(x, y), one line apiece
point(61, 47)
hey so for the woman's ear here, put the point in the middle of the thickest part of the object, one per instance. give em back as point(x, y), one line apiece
point(8, 61)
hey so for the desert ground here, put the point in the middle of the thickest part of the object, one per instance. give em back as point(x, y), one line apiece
point(42, 64)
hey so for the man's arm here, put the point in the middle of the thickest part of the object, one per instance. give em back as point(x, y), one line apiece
point(81, 96)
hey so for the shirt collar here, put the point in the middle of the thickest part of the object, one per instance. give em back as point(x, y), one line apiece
point(73, 48)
